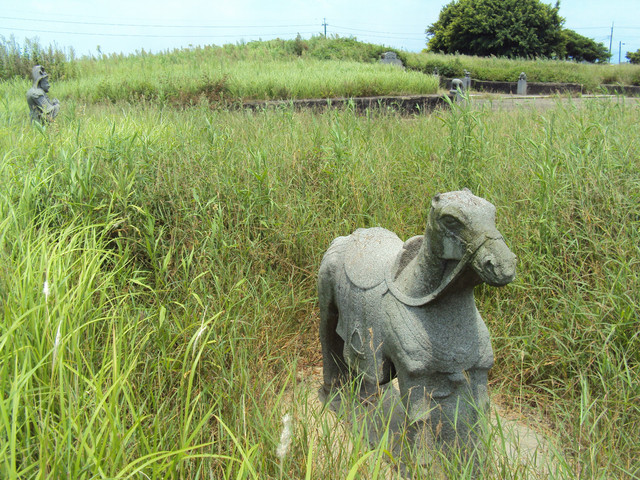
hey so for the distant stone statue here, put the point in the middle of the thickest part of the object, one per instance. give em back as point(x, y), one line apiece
point(522, 84)
point(466, 81)
point(391, 58)
point(457, 89)
point(390, 308)
point(41, 107)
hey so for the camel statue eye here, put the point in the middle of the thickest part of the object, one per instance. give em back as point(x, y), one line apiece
point(451, 222)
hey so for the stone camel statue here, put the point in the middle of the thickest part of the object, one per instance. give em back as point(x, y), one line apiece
point(390, 309)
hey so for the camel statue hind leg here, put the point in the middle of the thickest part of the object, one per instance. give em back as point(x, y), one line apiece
point(334, 367)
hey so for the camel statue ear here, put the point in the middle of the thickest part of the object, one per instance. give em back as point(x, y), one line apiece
point(434, 201)
point(465, 189)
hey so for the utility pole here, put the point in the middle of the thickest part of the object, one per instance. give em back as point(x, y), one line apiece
point(620, 53)
point(324, 24)
point(610, 41)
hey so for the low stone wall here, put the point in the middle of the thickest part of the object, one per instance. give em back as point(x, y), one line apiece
point(409, 104)
point(494, 87)
point(533, 88)
point(627, 90)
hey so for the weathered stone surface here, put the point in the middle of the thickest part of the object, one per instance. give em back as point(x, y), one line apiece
point(466, 81)
point(391, 309)
point(410, 104)
point(522, 84)
point(41, 108)
point(533, 88)
point(391, 58)
point(457, 89)
point(456, 85)
point(628, 90)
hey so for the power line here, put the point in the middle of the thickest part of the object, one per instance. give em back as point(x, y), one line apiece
point(378, 26)
point(390, 38)
point(154, 25)
point(94, 34)
point(376, 31)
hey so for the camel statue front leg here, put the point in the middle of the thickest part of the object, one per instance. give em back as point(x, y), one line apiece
point(441, 411)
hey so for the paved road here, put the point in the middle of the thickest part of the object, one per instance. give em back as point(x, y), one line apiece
point(511, 102)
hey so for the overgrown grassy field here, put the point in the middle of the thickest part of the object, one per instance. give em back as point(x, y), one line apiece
point(157, 280)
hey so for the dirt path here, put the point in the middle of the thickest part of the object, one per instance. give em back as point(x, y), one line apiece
point(516, 444)
point(541, 102)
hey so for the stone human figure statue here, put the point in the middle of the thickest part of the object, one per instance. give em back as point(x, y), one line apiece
point(41, 107)
point(522, 84)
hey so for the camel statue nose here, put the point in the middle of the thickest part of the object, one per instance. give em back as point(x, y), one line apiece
point(497, 265)
point(489, 265)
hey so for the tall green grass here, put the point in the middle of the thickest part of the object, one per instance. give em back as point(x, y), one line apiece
point(591, 76)
point(180, 249)
point(223, 80)
point(17, 60)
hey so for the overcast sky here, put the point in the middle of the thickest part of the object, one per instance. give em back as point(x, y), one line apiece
point(128, 26)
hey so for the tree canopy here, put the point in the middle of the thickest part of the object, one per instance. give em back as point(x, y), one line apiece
point(583, 49)
point(633, 57)
point(510, 28)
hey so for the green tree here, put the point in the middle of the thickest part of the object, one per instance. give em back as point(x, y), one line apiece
point(633, 57)
point(510, 28)
point(584, 49)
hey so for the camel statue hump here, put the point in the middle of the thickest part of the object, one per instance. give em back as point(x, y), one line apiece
point(369, 253)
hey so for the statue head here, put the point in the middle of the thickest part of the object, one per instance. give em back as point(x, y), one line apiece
point(456, 84)
point(40, 78)
point(44, 84)
point(462, 226)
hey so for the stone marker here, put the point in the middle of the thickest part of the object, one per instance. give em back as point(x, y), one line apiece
point(391, 58)
point(41, 107)
point(390, 308)
point(522, 84)
point(466, 81)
